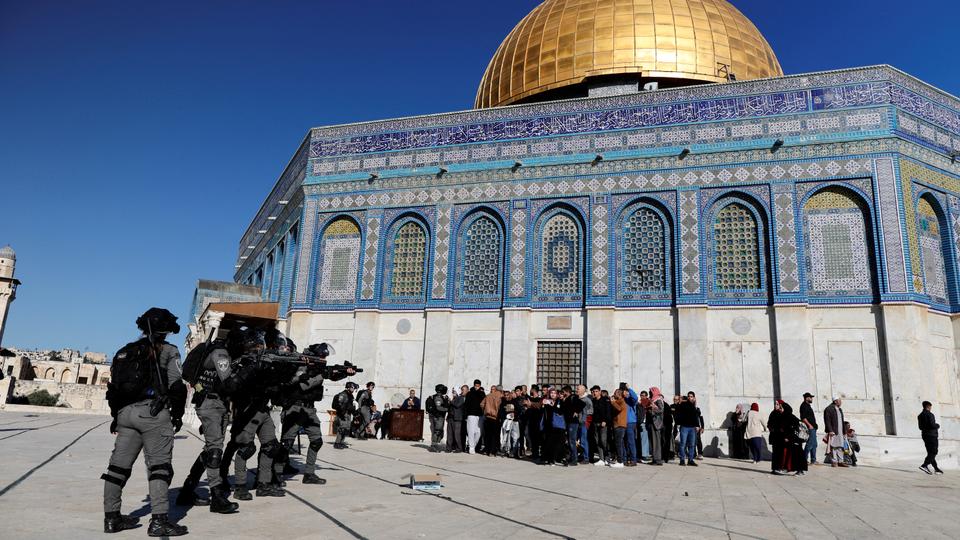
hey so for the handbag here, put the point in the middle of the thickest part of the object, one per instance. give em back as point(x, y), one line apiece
point(803, 434)
point(558, 421)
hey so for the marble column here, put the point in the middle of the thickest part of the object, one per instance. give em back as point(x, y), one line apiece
point(437, 357)
point(600, 346)
point(695, 357)
point(795, 353)
point(518, 360)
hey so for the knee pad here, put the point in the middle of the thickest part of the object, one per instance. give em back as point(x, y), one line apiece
point(316, 445)
point(212, 458)
point(246, 451)
point(118, 477)
point(162, 472)
point(275, 451)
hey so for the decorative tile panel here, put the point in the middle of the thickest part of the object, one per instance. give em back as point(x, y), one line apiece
point(890, 225)
point(690, 241)
point(518, 248)
point(645, 267)
point(601, 248)
point(306, 251)
point(408, 259)
point(789, 269)
point(442, 254)
point(370, 255)
point(736, 248)
point(931, 250)
point(339, 261)
point(482, 259)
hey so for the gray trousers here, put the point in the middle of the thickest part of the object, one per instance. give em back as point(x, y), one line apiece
point(366, 414)
point(342, 425)
point(137, 430)
point(656, 442)
point(295, 418)
point(455, 435)
point(436, 430)
point(261, 427)
point(213, 418)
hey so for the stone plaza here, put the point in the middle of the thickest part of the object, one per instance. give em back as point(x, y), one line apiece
point(50, 488)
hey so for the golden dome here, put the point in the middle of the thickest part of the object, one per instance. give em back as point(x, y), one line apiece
point(563, 42)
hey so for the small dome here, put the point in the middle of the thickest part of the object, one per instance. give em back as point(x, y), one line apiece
point(6, 252)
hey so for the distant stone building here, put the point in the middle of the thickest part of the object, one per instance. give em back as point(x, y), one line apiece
point(80, 378)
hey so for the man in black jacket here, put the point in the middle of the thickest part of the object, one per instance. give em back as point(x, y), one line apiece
point(809, 420)
point(455, 420)
point(687, 418)
point(929, 431)
point(600, 424)
point(572, 407)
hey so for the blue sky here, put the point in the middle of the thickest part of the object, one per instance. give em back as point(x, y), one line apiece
point(137, 139)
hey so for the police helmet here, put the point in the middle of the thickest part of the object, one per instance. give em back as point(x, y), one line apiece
point(276, 340)
point(441, 389)
point(322, 350)
point(157, 320)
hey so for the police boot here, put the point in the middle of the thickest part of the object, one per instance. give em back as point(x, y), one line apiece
point(270, 490)
point(219, 504)
point(241, 493)
point(160, 525)
point(113, 522)
point(311, 478)
point(188, 496)
point(290, 470)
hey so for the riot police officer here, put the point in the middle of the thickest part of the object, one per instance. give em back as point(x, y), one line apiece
point(253, 421)
point(437, 407)
point(147, 399)
point(207, 367)
point(300, 411)
point(345, 407)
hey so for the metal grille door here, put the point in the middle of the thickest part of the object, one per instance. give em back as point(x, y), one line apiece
point(558, 362)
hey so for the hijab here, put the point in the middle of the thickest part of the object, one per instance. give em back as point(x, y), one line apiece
point(755, 407)
point(655, 393)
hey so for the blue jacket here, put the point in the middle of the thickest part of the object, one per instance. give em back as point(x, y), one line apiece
point(631, 400)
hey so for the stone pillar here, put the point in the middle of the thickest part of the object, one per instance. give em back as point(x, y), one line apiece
point(601, 343)
point(796, 369)
point(518, 359)
point(910, 374)
point(437, 356)
point(695, 357)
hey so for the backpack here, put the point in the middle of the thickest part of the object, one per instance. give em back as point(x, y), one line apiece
point(132, 373)
point(431, 406)
point(193, 364)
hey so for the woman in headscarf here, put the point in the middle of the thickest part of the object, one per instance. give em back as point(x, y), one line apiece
point(792, 459)
point(754, 431)
point(554, 429)
point(777, 437)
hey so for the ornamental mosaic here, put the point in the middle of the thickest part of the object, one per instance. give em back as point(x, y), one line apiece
point(838, 259)
point(736, 249)
point(290, 272)
point(890, 225)
point(690, 241)
point(482, 258)
point(787, 260)
point(644, 255)
point(306, 250)
point(560, 256)
point(518, 248)
point(409, 256)
point(370, 256)
point(339, 261)
point(600, 267)
point(931, 250)
point(442, 253)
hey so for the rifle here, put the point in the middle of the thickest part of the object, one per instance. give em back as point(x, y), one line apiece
point(283, 361)
point(160, 401)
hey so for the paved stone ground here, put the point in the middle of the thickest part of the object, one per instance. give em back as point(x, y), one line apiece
point(49, 488)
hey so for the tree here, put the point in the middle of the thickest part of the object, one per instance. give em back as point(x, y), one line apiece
point(43, 398)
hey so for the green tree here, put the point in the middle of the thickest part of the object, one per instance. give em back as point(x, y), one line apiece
point(43, 398)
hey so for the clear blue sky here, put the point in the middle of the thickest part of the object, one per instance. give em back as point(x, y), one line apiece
point(137, 139)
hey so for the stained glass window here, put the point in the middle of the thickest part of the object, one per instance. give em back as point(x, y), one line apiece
point(931, 251)
point(737, 251)
point(560, 256)
point(644, 256)
point(340, 251)
point(481, 258)
point(409, 255)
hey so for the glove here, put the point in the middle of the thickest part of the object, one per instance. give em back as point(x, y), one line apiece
point(177, 424)
point(113, 426)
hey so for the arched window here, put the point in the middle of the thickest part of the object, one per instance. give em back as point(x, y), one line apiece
point(66, 376)
point(481, 260)
point(408, 268)
point(561, 254)
point(736, 249)
point(837, 256)
point(50, 373)
point(644, 268)
point(931, 236)
point(340, 261)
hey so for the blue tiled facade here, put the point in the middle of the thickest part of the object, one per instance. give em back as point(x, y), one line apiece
point(683, 154)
